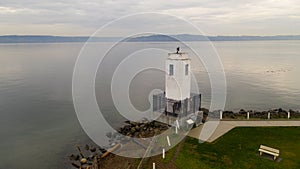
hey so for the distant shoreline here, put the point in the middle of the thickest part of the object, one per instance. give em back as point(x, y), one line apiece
point(147, 38)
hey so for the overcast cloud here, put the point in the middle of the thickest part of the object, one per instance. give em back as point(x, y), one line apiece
point(214, 17)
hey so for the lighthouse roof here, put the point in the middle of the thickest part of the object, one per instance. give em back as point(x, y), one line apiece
point(178, 56)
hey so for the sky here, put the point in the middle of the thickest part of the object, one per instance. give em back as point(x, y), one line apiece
point(213, 17)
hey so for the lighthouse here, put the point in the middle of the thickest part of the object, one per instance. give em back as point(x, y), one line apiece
point(177, 103)
point(178, 78)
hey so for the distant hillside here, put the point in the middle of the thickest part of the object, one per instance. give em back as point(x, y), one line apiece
point(186, 37)
point(150, 38)
point(254, 38)
point(50, 39)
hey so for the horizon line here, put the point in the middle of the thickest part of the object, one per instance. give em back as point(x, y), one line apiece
point(2, 35)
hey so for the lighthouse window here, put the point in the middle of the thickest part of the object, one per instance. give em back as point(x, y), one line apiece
point(171, 70)
point(186, 69)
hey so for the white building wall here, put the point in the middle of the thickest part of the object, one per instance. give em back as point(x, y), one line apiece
point(178, 85)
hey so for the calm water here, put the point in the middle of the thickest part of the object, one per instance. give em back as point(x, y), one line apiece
point(38, 125)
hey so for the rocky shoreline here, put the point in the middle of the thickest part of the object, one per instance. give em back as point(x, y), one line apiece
point(254, 114)
point(142, 129)
point(100, 157)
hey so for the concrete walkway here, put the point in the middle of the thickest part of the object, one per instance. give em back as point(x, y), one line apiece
point(215, 129)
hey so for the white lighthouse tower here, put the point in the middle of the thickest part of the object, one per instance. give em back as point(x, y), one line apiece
point(178, 78)
point(177, 102)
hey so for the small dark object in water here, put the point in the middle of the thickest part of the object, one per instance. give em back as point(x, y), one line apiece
point(93, 149)
point(87, 147)
point(109, 135)
point(74, 157)
point(178, 48)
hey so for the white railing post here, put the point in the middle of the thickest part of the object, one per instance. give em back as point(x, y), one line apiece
point(163, 155)
point(248, 115)
point(168, 140)
point(221, 114)
point(269, 115)
point(289, 115)
point(177, 124)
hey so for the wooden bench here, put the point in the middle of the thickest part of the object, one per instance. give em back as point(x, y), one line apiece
point(272, 151)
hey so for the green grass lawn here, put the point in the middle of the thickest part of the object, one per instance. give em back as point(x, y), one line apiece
point(238, 149)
